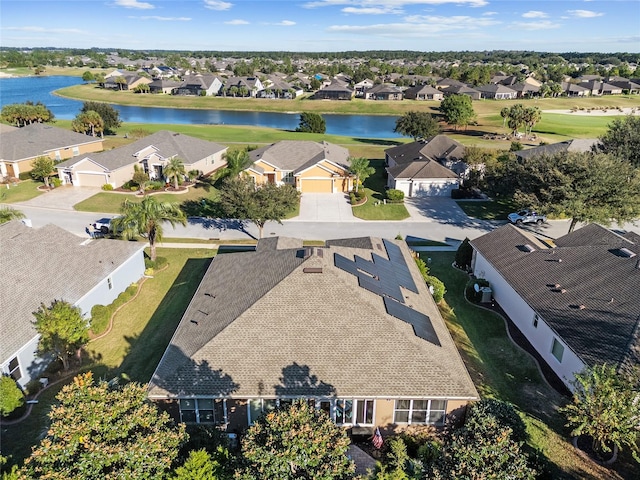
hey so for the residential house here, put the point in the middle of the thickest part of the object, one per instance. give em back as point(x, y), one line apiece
point(422, 168)
point(497, 91)
point(597, 87)
point(164, 86)
point(336, 90)
point(361, 87)
point(350, 327)
point(383, 91)
point(625, 84)
point(573, 90)
point(242, 86)
point(423, 92)
point(115, 167)
point(462, 90)
point(576, 299)
point(20, 146)
point(449, 82)
point(49, 263)
point(311, 167)
point(575, 145)
point(278, 88)
point(131, 81)
point(525, 89)
point(206, 85)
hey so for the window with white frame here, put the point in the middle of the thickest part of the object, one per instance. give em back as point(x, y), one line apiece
point(557, 349)
point(14, 369)
point(420, 411)
point(354, 412)
point(288, 177)
point(202, 410)
point(76, 151)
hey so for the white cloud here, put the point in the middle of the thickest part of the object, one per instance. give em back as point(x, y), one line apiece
point(237, 21)
point(285, 23)
point(541, 25)
point(162, 19)
point(217, 5)
point(389, 4)
point(585, 13)
point(32, 28)
point(535, 14)
point(489, 14)
point(372, 10)
point(134, 4)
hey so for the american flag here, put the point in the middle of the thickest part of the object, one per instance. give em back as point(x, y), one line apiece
point(377, 439)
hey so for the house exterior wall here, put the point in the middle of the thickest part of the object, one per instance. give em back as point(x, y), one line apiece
point(208, 164)
point(424, 188)
point(541, 336)
point(29, 364)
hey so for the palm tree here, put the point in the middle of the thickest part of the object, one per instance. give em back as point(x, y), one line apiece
point(361, 168)
point(7, 214)
point(237, 161)
point(174, 169)
point(146, 218)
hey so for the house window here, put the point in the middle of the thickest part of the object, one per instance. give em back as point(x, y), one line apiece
point(535, 320)
point(259, 406)
point(109, 283)
point(58, 156)
point(557, 349)
point(423, 412)
point(288, 177)
point(76, 151)
point(354, 412)
point(202, 410)
point(14, 369)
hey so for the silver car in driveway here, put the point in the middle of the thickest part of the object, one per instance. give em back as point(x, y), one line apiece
point(526, 216)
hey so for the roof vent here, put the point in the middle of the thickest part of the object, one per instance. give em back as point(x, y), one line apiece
point(625, 252)
point(528, 248)
point(312, 270)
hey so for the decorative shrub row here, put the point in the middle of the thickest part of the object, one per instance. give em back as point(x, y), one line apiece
point(395, 196)
point(100, 314)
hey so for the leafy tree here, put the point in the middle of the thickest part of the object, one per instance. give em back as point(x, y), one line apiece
point(457, 110)
point(296, 442)
point(41, 169)
point(586, 187)
point(174, 169)
point(622, 140)
point(110, 116)
point(88, 76)
point(11, 397)
point(104, 431)
point(200, 465)
point(22, 114)
point(361, 168)
point(417, 125)
point(237, 161)
point(146, 218)
point(140, 177)
point(464, 254)
point(89, 123)
point(7, 214)
point(62, 330)
point(311, 123)
point(483, 448)
point(240, 198)
point(605, 407)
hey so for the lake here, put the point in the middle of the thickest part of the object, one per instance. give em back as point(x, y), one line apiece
point(22, 89)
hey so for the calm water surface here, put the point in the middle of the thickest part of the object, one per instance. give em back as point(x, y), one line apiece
point(22, 89)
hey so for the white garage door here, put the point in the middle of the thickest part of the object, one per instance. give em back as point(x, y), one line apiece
point(434, 189)
point(90, 179)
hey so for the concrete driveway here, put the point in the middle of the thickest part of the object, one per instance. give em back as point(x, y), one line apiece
point(435, 209)
point(324, 207)
point(61, 198)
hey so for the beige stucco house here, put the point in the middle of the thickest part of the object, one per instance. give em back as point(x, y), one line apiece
point(20, 146)
point(311, 167)
point(350, 327)
point(115, 167)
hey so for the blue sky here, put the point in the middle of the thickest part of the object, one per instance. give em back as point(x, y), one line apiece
point(324, 25)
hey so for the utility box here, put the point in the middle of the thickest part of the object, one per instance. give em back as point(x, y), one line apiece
point(487, 293)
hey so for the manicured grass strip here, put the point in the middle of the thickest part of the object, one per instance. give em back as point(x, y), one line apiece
point(502, 370)
point(375, 188)
point(20, 192)
point(488, 209)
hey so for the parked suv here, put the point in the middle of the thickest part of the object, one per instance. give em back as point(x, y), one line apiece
point(527, 216)
point(104, 225)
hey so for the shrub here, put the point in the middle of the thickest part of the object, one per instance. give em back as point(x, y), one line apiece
point(422, 266)
point(352, 198)
point(470, 291)
point(395, 195)
point(11, 397)
point(438, 287)
point(33, 387)
point(157, 264)
point(100, 315)
point(56, 182)
point(464, 255)
point(107, 187)
point(155, 185)
point(504, 413)
point(24, 175)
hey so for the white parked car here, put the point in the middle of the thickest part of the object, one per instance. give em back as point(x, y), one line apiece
point(527, 216)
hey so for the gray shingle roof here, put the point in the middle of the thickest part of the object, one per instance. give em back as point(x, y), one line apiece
point(294, 155)
point(593, 273)
point(575, 145)
point(267, 326)
point(169, 144)
point(46, 264)
point(439, 147)
point(429, 169)
point(37, 139)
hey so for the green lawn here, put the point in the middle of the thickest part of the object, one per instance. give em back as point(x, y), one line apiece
point(374, 209)
point(488, 209)
point(501, 370)
point(141, 332)
point(20, 192)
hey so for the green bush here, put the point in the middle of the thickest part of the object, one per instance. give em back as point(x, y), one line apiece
point(158, 264)
point(464, 255)
point(56, 182)
point(11, 397)
point(24, 176)
point(352, 198)
point(422, 266)
point(107, 187)
point(505, 414)
point(438, 287)
point(395, 196)
point(470, 291)
point(100, 316)
point(155, 185)
point(33, 387)
point(128, 185)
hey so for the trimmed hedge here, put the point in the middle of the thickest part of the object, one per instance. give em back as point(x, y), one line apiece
point(505, 414)
point(107, 187)
point(395, 196)
point(438, 287)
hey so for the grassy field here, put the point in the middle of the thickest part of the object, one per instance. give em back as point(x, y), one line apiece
point(20, 192)
point(501, 370)
point(374, 209)
point(488, 209)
